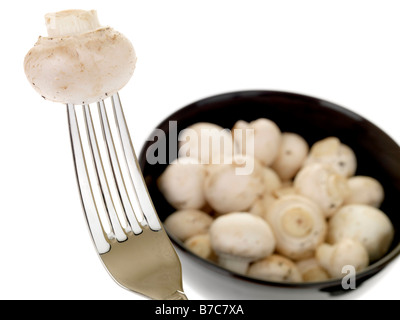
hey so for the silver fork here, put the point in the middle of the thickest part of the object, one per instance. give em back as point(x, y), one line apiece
point(138, 255)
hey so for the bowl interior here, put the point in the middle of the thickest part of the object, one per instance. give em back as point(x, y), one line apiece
point(377, 154)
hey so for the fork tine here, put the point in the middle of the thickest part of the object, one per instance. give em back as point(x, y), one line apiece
point(112, 216)
point(136, 175)
point(89, 206)
point(116, 169)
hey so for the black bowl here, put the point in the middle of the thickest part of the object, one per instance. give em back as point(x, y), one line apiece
point(314, 119)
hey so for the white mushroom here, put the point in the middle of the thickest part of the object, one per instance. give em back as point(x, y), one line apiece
point(270, 180)
point(267, 139)
point(261, 206)
point(284, 190)
point(291, 156)
point(322, 184)
point(331, 151)
point(226, 191)
point(346, 252)
point(368, 225)
point(200, 245)
point(244, 136)
point(240, 238)
point(364, 190)
point(208, 142)
point(182, 184)
point(274, 189)
point(311, 270)
point(184, 224)
point(298, 224)
point(79, 62)
point(275, 268)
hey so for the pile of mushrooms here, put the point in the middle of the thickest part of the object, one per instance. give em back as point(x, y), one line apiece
point(301, 214)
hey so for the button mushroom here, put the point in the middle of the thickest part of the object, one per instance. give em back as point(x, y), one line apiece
point(208, 142)
point(240, 238)
point(184, 224)
point(331, 151)
point(322, 184)
point(275, 268)
point(270, 180)
point(346, 252)
point(368, 225)
point(364, 190)
point(286, 189)
point(261, 206)
point(267, 139)
point(182, 184)
point(274, 189)
point(226, 191)
point(291, 156)
point(79, 62)
point(311, 270)
point(200, 244)
point(298, 224)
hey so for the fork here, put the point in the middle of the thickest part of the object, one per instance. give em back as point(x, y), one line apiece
point(137, 253)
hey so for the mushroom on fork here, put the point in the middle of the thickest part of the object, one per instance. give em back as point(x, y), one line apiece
point(80, 63)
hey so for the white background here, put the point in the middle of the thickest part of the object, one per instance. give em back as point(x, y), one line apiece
point(347, 52)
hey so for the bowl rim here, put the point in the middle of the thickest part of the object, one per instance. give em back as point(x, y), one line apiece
point(361, 276)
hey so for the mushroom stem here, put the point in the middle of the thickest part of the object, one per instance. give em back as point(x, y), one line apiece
point(71, 22)
point(233, 263)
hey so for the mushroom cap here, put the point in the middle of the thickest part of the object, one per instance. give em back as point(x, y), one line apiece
point(298, 224)
point(364, 190)
point(291, 156)
point(82, 67)
point(182, 184)
point(311, 270)
point(200, 244)
point(322, 184)
point(261, 206)
point(331, 151)
point(368, 225)
point(242, 235)
point(284, 191)
point(208, 142)
point(226, 191)
point(275, 268)
point(270, 179)
point(267, 139)
point(243, 133)
point(346, 252)
point(184, 224)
